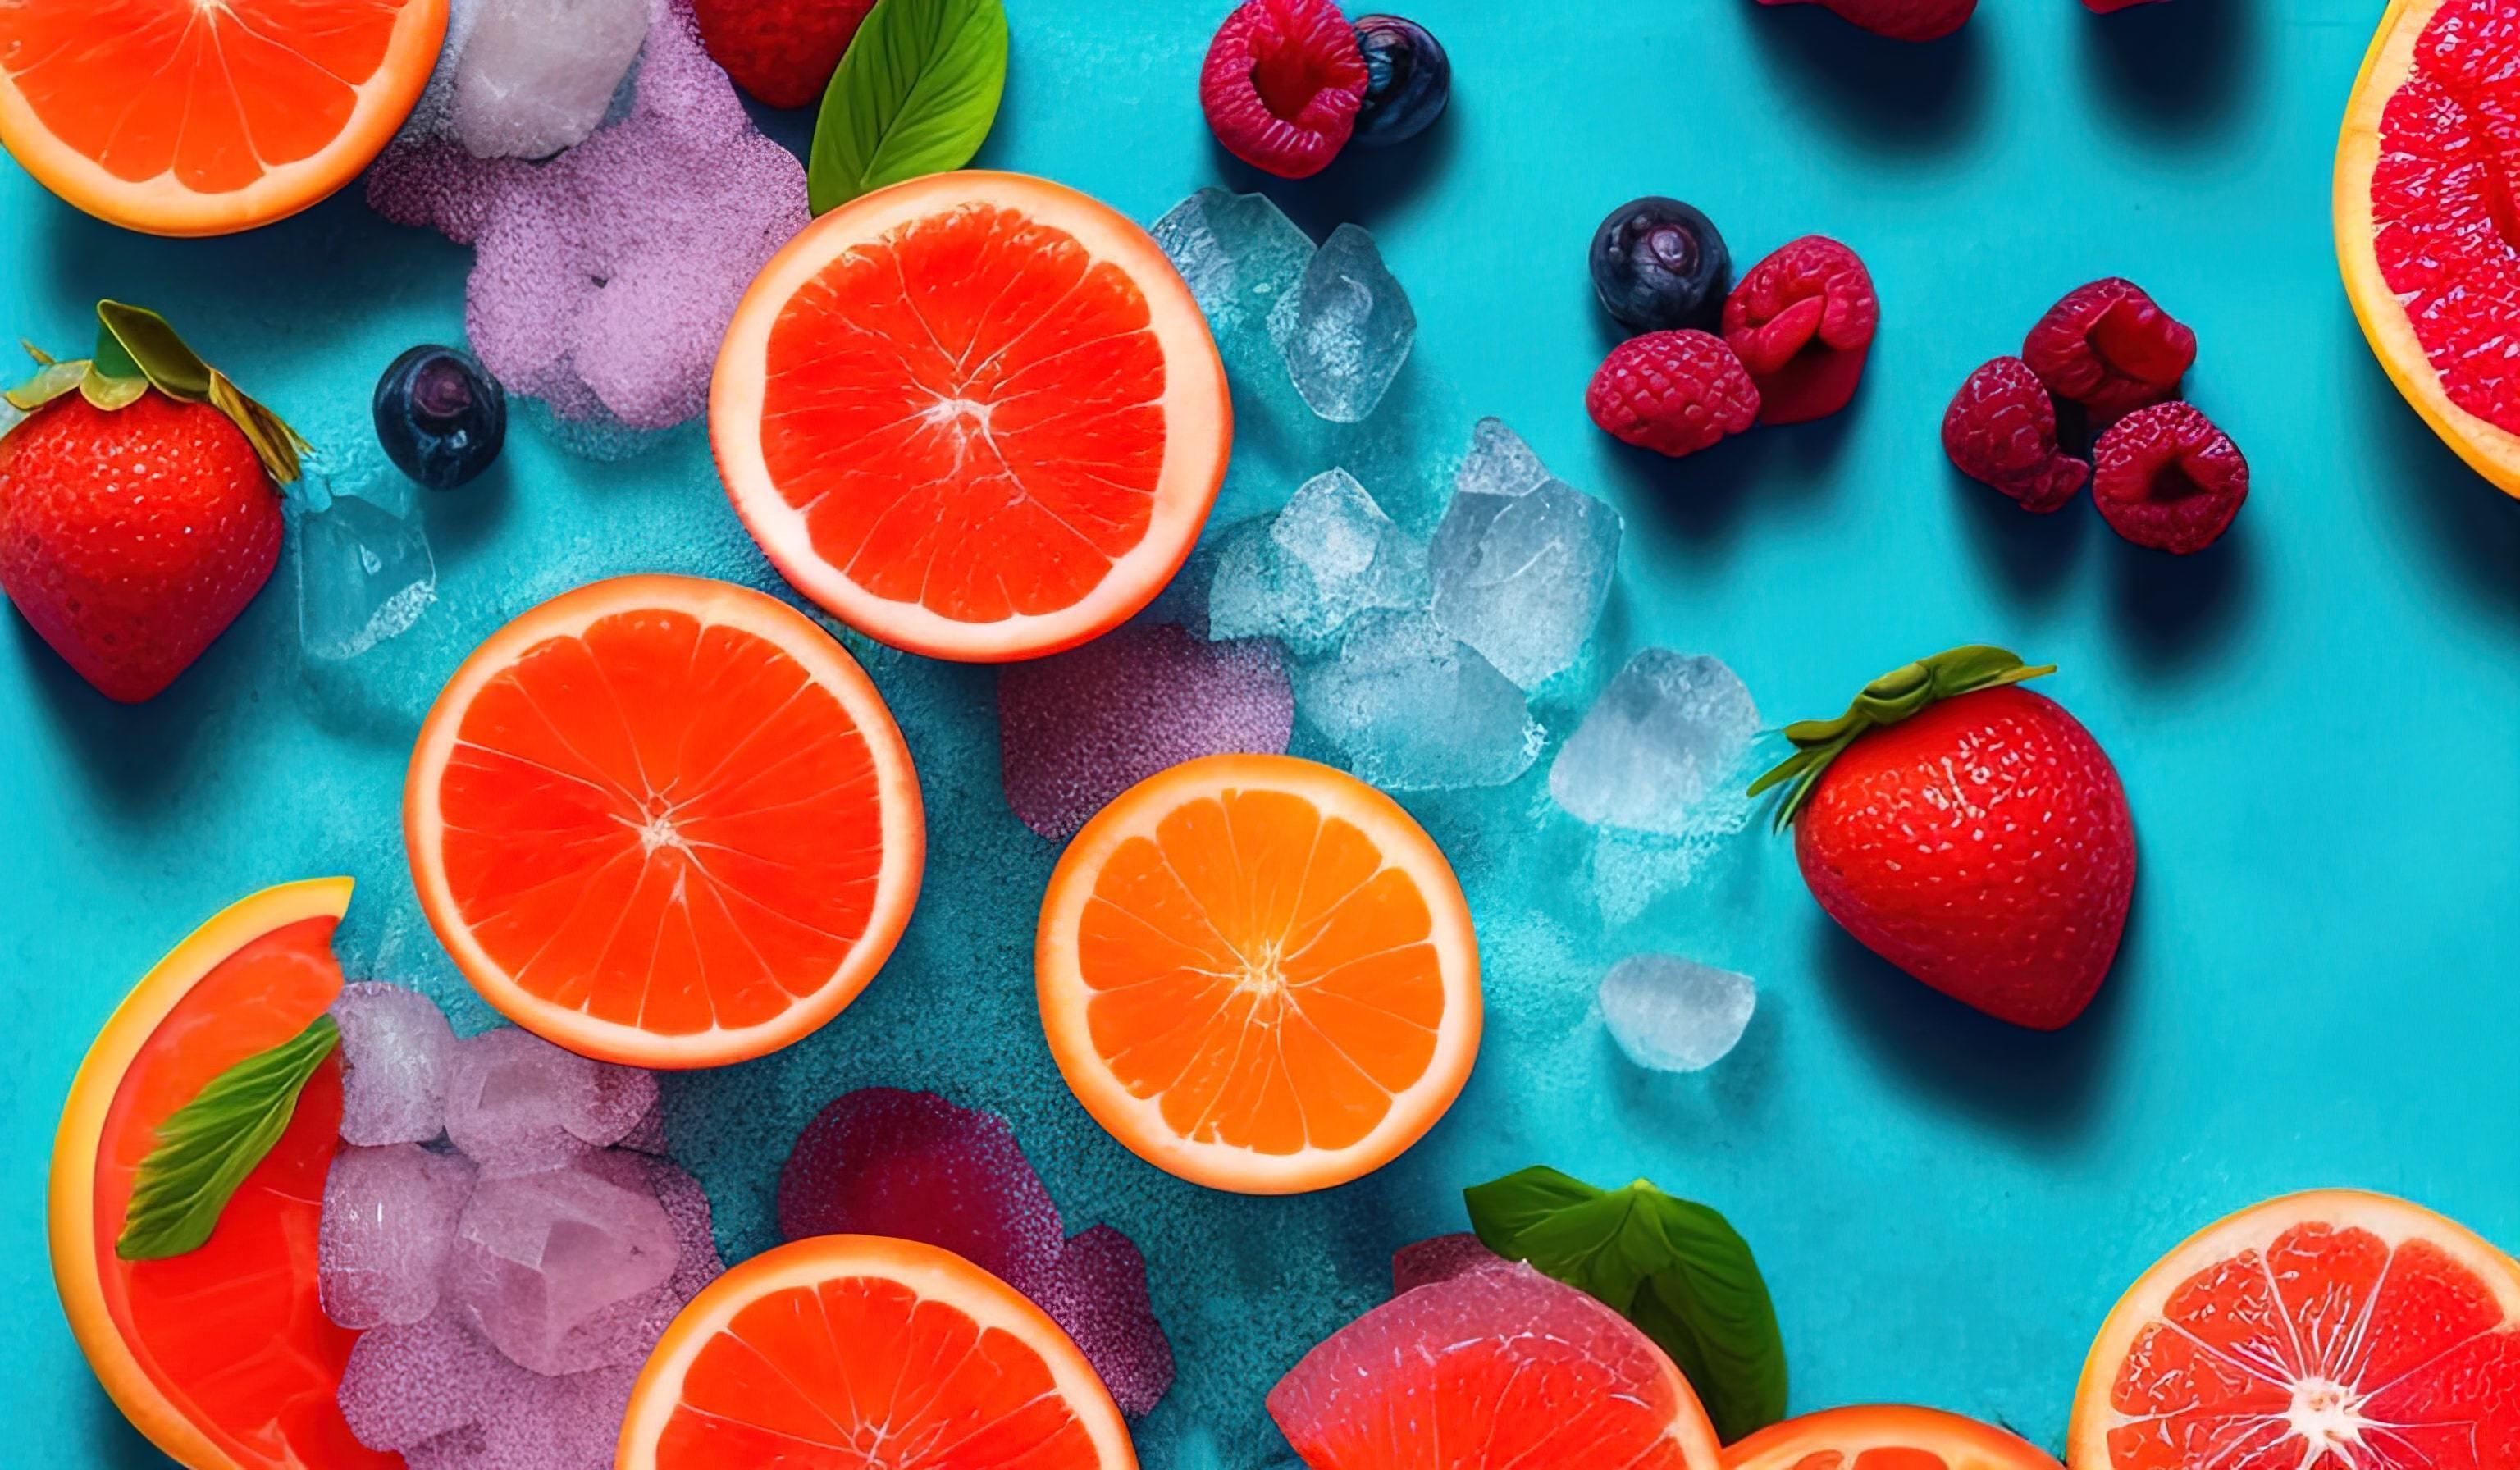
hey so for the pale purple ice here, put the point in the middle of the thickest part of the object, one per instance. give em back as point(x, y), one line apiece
point(1099, 1295)
point(516, 1104)
point(1439, 1259)
point(407, 1385)
point(564, 1270)
point(394, 1047)
point(388, 1217)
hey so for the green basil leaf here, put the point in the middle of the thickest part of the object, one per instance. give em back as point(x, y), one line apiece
point(207, 1147)
point(914, 94)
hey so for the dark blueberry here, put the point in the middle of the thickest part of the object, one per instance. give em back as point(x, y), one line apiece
point(440, 418)
point(1659, 265)
point(1408, 80)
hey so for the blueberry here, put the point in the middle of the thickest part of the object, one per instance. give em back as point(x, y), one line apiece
point(440, 418)
point(1658, 265)
point(1408, 80)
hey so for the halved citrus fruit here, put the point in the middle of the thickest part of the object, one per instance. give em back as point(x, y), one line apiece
point(2333, 1330)
point(976, 415)
point(664, 822)
point(866, 1350)
point(2428, 220)
point(1259, 973)
point(1884, 1437)
point(220, 1355)
point(188, 117)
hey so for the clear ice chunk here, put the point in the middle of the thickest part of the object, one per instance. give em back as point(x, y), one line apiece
point(1498, 465)
point(562, 1270)
point(515, 1102)
point(1329, 555)
point(388, 1217)
point(364, 574)
point(1671, 1014)
point(1411, 707)
point(1239, 252)
point(536, 76)
point(1345, 328)
point(1522, 563)
point(395, 1043)
point(1664, 749)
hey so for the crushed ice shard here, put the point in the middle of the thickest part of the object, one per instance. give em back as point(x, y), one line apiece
point(1664, 749)
point(1672, 1014)
point(1345, 328)
point(1522, 562)
point(1411, 707)
point(1330, 554)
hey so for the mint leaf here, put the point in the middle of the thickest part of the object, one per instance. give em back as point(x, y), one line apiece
point(1676, 1269)
point(914, 94)
point(207, 1147)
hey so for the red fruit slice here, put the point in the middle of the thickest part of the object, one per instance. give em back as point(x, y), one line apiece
point(1282, 85)
point(1802, 323)
point(1884, 1437)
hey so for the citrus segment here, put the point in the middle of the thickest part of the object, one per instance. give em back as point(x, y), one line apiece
point(664, 822)
point(976, 415)
point(868, 1352)
point(220, 1355)
point(1884, 1437)
point(2325, 1331)
point(178, 118)
point(1259, 973)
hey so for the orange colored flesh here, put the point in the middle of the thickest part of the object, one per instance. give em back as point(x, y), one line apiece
point(1884, 1437)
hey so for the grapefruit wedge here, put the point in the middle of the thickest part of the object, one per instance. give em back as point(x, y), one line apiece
point(220, 1355)
point(2333, 1330)
point(976, 415)
point(1884, 1437)
point(2428, 223)
point(866, 1350)
point(186, 117)
point(664, 822)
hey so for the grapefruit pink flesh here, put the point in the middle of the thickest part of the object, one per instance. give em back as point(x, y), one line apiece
point(1884, 1437)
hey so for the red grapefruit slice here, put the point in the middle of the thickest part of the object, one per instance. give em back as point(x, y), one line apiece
point(1884, 1437)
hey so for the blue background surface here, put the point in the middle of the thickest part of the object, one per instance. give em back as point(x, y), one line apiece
point(2314, 720)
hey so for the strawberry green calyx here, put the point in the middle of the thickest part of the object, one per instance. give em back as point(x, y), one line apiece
point(136, 351)
point(1886, 700)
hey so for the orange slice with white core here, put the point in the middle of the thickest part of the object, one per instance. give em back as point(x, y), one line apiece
point(665, 821)
point(977, 416)
point(1884, 1437)
point(864, 1351)
point(1259, 973)
point(187, 117)
point(221, 1356)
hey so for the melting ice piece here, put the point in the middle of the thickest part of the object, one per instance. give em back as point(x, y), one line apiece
point(686, 1204)
point(1345, 328)
point(1673, 1014)
point(1663, 750)
point(1099, 1295)
point(535, 76)
point(1328, 555)
point(408, 1385)
point(364, 574)
point(394, 1048)
point(515, 1102)
point(1522, 563)
point(1412, 708)
point(1077, 729)
point(567, 1423)
point(1439, 1259)
point(1498, 466)
point(562, 1270)
point(389, 1217)
point(1239, 252)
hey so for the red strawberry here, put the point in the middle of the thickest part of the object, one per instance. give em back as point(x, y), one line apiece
point(1899, 20)
point(132, 533)
point(1970, 832)
point(783, 52)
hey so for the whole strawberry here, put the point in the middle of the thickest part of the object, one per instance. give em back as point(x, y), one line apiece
point(1970, 832)
point(139, 508)
point(783, 52)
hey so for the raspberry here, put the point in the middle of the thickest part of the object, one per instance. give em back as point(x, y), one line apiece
point(1899, 20)
point(1673, 392)
point(2002, 429)
point(2166, 478)
point(2110, 348)
point(1282, 85)
point(2105, 7)
point(1801, 322)
point(783, 52)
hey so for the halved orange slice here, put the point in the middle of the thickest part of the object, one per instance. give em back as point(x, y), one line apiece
point(207, 116)
point(866, 1350)
point(2334, 1331)
point(220, 1355)
point(665, 821)
point(976, 415)
point(1884, 1437)
point(1259, 973)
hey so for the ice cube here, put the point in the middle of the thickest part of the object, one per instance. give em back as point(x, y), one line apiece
point(1099, 1296)
point(1675, 1015)
point(686, 1204)
point(1663, 750)
point(567, 1423)
point(1328, 555)
point(1345, 328)
point(394, 1048)
point(536, 76)
point(562, 1270)
point(364, 574)
point(1498, 465)
point(1412, 708)
point(406, 1385)
point(1239, 252)
point(515, 1102)
point(1439, 1259)
point(1522, 565)
point(389, 1217)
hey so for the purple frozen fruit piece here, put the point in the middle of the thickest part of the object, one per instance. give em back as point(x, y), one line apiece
point(648, 1135)
point(885, 1162)
point(1099, 1295)
point(560, 1269)
point(394, 1047)
point(1079, 728)
point(1440, 1259)
point(407, 1385)
point(612, 1104)
point(515, 1102)
point(390, 1214)
point(697, 1261)
point(455, 1450)
point(567, 1423)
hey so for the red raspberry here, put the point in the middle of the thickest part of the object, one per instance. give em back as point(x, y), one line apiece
point(2105, 7)
point(783, 52)
point(1899, 20)
point(2166, 478)
point(2002, 429)
point(1802, 321)
point(2110, 348)
point(1673, 392)
point(1282, 85)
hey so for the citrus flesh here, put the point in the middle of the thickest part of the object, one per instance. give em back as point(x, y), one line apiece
point(1259, 973)
point(2326, 1331)
point(1884, 1437)
point(976, 415)
point(178, 118)
point(873, 1354)
point(664, 822)
point(221, 1356)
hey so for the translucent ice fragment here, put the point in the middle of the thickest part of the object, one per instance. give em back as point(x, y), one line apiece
point(561, 1268)
point(1099, 1295)
point(1439, 1259)
point(394, 1049)
point(406, 1385)
point(535, 76)
point(1522, 563)
point(389, 1217)
point(1328, 555)
point(1673, 1014)
point(515, 1102)
point(1239, 252)
point(1498, 465)
point(1412, 708)
point(364, 574)
point(1663, 750)
point(1345, 328)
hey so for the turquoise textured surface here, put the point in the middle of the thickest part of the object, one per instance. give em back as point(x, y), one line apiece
point(2314, 720)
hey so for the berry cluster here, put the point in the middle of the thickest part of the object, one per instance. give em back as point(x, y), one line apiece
point(1288, 83)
